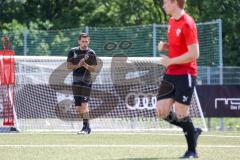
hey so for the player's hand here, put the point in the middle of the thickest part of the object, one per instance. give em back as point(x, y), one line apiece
point(82, 62)
point(162, 46)
point(166, 61)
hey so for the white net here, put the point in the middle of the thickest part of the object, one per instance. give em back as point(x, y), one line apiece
point(123, 95)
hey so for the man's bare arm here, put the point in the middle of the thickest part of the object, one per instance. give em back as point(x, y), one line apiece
point(82, 63)
point(192, 54)
point(71, 66)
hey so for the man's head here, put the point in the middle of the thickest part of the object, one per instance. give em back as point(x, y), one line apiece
point(170, 6)
point(83, 41)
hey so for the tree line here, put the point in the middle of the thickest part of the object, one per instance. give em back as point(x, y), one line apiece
point(19, 15)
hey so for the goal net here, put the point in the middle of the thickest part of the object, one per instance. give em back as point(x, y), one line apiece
point(123, 95)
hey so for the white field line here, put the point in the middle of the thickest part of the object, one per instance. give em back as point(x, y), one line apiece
point(120, 133)
point(171, 134)
point(110, 146)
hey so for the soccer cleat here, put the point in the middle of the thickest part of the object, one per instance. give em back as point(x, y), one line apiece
point(189, 154)
point(85, 130)
point(198, 131)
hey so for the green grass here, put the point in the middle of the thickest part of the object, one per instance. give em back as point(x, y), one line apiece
point(116, 146)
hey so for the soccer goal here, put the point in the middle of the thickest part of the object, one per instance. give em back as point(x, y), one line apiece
point(123, 96)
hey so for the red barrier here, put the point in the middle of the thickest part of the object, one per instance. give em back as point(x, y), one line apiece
point(7, 81)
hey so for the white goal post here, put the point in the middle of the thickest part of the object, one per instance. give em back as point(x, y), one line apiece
point(43, 97)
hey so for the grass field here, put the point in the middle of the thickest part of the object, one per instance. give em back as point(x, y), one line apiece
point(116, 146)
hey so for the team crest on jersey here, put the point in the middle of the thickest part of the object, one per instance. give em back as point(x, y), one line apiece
point(74, 55)
point(178, 31)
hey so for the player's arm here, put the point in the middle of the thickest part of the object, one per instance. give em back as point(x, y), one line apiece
point(82, 63)
point(71, 66)
point(90, 68)
point(192, 54)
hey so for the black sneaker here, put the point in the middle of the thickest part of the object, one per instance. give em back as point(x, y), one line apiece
point(85, 130)
point(189, 154)
point(198, 131)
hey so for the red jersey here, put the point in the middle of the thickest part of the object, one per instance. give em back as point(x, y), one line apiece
point(181, 33)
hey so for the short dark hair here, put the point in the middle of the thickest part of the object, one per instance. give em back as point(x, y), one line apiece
point(83, 35)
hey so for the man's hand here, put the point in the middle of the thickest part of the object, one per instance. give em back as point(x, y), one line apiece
point(82, 63)
point(162, 46)
point(166, 61)
point(91, 68)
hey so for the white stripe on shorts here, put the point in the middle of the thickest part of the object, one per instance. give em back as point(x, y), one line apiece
point(189, 80)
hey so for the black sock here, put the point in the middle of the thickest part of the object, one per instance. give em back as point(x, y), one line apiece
point(189, 132)
point(172, 118)
point(86, 119)
point(85, 123)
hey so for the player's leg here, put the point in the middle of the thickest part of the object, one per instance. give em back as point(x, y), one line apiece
point(84, 94)
point(164, 107)
point(79, 109)
point(184, 90)
point(84, 112)
point(182, 113)
point(165, 102)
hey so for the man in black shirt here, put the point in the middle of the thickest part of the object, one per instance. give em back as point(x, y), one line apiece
point(82, 60)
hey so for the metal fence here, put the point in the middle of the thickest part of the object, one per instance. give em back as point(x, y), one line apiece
point(228, 75)
point(133, 41)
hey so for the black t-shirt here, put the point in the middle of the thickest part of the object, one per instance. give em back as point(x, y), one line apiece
point(74, 56)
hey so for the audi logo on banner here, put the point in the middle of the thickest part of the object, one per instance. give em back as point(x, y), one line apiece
point(140, 101)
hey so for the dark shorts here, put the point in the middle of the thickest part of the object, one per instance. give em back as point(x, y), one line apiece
point(183, 88)
point(81, 92)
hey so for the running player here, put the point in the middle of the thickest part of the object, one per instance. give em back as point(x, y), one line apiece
point(181, 71)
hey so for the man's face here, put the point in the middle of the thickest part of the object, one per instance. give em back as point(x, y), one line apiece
point(83, 42)
point(169, 6)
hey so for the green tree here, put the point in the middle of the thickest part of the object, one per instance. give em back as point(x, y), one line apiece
point(62, 14)
point(228, 11)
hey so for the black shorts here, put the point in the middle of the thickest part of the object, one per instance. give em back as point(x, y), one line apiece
point(183, 88)
point(81, 92)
